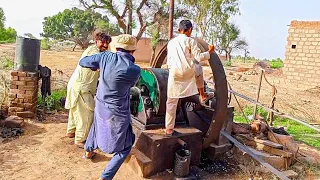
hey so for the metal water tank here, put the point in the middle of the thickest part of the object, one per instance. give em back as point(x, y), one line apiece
point(27, 54)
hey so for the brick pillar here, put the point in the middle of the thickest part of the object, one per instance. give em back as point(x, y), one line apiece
point(23, 96)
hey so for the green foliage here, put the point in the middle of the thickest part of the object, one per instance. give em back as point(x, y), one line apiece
point(53, 101)
point(155, 37)
point(227, 63)
point(45, 44)
point(295, 129)
point(211, 15)
point(299, 132)
point(276, 63)
point(7, 35)
point(2, 18)
point(6, 63)
point(108, 28)
point(75, 25)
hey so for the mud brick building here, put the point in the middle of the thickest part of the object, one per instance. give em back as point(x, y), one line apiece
point(302, 58)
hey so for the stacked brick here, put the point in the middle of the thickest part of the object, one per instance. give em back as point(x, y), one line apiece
point(23, 94)
point(302, 60)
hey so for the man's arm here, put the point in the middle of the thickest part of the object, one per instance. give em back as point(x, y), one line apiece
point(196, 51)
point(92, 61)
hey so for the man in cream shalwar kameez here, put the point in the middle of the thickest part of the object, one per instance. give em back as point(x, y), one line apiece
point(81, 91)
point(185, 72)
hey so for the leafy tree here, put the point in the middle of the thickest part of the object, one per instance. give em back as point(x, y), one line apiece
point(2, 18)
point(157, 31)
point(154, 31)
point(7, 35)
point(229, 40)
point(127, 12)
point(76, 25)
point(211, 15)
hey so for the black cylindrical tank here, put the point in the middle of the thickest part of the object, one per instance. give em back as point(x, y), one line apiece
point(27, 54)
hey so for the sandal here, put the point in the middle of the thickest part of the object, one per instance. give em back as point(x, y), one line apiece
point(205, 102)
point(89, 157)
point(80, 144)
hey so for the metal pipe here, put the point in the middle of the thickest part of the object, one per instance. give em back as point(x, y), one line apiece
point(171, 13)
point(182, 143)
point(252, 154)
point(274, 111)
point(258, 95)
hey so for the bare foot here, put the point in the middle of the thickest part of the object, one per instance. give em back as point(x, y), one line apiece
point(169, 131)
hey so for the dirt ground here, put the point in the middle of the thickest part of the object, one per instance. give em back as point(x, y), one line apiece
point(43, 152)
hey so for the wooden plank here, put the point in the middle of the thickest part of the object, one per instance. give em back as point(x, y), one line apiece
point(264, 142)
point(287, 141)
point(268, 143)
point(268, 149)
point(256, 157)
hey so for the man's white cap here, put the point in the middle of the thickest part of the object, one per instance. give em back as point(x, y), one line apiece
point(124, 41)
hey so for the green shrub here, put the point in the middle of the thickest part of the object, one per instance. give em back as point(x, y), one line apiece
point(227, 63)
point(8, 35)
point(6, 63)
point(45, 44)
point(276, 63)
point(8, 41)
point(53, 101)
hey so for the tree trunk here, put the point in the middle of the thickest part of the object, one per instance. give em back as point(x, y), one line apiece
point(141, 31)
point(74, 47)
point(153, 54)
point(229, 56)
point(129, 26)
point(226, 54)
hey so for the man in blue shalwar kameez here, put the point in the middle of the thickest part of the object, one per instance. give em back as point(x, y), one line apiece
point(111, 130)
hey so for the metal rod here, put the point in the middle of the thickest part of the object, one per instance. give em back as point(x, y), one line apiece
point(258, 95)
point(241, 109)
point(271, 114)
point(274, 111)
point(256, 157)
point(171, 13)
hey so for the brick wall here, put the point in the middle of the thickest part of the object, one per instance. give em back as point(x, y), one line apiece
point(23, 94)
point(302, 58)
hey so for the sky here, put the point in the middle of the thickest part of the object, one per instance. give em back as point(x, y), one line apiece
point(264, 24)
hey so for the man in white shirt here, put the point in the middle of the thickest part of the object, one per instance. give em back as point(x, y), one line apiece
point(185, 72)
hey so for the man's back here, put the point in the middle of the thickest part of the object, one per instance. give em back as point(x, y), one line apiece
point(118, 74)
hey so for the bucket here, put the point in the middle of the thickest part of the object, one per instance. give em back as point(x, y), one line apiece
point(27, 54)
point(182, 163)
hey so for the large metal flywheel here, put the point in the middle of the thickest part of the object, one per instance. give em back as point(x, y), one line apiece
point(220, 88)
